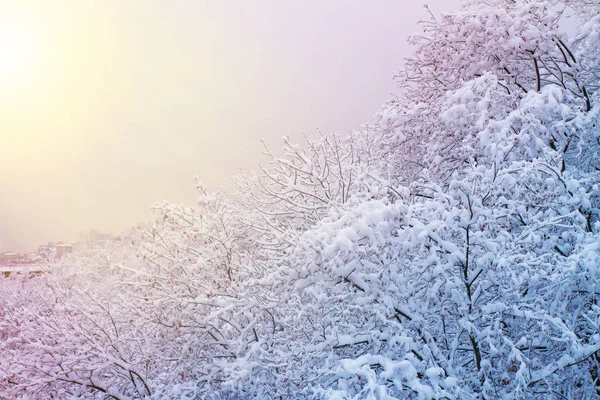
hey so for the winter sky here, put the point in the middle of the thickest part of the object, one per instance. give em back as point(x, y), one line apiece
point(109, 106)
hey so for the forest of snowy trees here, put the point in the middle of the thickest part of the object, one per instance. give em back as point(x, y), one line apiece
point(450, 249)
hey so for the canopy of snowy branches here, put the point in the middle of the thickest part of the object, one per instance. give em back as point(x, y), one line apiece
point(450, 249)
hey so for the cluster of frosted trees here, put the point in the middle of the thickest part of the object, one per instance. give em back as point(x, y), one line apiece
point(448, 250)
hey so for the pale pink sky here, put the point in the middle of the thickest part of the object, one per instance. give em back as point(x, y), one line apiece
point(123, 102)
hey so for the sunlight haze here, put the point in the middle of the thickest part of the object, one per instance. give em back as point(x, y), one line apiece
point(107, 107)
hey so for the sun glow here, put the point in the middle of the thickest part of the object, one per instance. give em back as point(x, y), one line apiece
point(58, 68)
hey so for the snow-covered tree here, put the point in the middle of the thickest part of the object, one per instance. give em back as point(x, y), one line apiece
point(449, 249)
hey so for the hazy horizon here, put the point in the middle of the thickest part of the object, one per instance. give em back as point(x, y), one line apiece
point(109, 107)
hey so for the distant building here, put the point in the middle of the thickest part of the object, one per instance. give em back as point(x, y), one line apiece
point(62, 249)
point(94, 236)
point(10, 258)
point(54, 250)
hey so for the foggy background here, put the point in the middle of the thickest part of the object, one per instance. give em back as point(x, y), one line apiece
point(123, 102)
